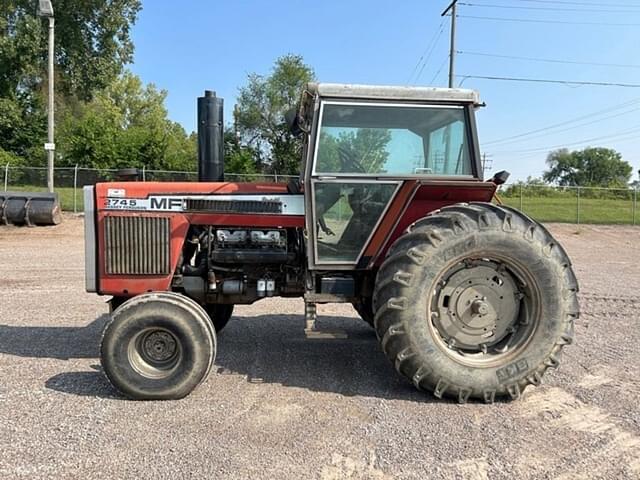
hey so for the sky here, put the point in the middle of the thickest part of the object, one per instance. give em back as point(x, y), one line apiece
point(188, 46)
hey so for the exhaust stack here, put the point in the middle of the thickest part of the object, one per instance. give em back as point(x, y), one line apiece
point(210, 138)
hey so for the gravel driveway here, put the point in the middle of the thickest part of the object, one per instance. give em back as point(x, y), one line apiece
point(280, 406)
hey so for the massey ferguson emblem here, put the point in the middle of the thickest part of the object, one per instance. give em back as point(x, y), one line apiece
point(165, 203)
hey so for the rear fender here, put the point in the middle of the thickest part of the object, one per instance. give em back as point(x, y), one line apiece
point(427, 196)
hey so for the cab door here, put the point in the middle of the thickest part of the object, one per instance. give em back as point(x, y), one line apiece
point(362, 152)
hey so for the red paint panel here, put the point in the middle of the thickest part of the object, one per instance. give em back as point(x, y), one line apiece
point(144, 189)
point(432, 196)
point(391, 217)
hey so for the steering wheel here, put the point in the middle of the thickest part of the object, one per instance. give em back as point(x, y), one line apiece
point(349, 162)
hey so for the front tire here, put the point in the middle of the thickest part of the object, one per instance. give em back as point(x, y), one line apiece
point(158, 346)
point(475, 301)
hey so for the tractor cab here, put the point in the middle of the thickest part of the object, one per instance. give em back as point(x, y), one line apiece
point(362, 144)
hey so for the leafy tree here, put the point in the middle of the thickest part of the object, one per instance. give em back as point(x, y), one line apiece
point(126, 125)
point(365, 148)
point(260, 111)
point(368, 146)
point(92, 46)
point(591, 167)
point(237, 157)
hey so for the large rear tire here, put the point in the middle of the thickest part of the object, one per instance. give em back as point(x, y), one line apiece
point(475, 301)
point(158, 346)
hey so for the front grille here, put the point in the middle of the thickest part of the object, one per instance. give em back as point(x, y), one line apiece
point(234, 206)
point(137, 245)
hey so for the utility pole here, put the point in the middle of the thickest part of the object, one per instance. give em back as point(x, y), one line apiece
point(452, 48)
point(45, 9)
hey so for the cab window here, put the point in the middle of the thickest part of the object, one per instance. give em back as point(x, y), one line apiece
point(366, 139)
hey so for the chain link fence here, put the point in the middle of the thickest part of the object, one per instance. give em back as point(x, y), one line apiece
point(543, 202)
point(594, 205)
point(69, 181)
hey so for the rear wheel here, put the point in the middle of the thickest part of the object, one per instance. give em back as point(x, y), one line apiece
point(475, 300)
point(220, 314)
point(158, 346)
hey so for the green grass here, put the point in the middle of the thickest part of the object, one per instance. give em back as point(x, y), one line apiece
point(564, 208)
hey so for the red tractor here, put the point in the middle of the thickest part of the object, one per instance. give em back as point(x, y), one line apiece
point(468, 299)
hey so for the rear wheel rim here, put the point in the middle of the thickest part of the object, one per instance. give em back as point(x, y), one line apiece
point(484, 310)
point(154, 353)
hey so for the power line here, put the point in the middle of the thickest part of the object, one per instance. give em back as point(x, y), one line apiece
point(439, 70)
point(562, 145)
point(544, 80)
point(553, 9)
point(560, 22)
point(568, 122)
point(433, 49)
point(587, 4)
point(580, 125)
point(427, 51)
point(549, 60)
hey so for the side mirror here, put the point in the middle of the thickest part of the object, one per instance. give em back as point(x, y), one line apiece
point(500, 177)
point(293, 121)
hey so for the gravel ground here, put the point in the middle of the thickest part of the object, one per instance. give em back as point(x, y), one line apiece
point(280, 406)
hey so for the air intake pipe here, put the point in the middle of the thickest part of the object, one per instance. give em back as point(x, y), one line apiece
point(210, 138)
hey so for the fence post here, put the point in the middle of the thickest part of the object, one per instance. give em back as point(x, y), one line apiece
point(75, 189)
point(578, 206)
point(635, 204)
point(521, 189)
point(6, 176)
point(144, 173)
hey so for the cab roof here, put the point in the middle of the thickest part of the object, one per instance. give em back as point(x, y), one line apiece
point(388, 92)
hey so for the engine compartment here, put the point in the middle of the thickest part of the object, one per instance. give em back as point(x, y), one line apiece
point(240, 264)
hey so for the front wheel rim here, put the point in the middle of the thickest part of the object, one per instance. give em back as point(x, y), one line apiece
point(484, 310)
point(154, 353)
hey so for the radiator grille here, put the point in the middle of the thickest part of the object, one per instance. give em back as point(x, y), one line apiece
point(137, 245)
point(234, 206)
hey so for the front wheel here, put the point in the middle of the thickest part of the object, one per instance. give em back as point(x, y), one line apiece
point(158, 346)
point(475, 301)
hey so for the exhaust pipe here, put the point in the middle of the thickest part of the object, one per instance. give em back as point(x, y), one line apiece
point(27, 208)
point(210, 138)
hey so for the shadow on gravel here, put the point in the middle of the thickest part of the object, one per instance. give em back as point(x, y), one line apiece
point(86, 384)
point(61, 343)
point(274, 349)
point(266, 349)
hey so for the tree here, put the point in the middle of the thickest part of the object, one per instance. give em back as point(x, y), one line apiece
point(591, 167)
point(238, 158)
point(92, 46)
point(126, 125)
point(365, 149)
point(260, 111)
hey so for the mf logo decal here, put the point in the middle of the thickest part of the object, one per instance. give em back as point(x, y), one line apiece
point(165, 203)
